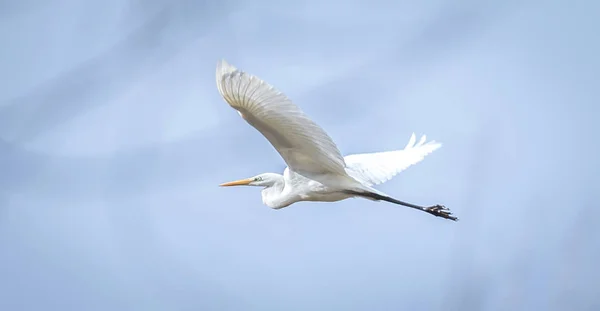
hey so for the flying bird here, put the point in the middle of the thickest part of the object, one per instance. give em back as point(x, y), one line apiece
point(316, 169)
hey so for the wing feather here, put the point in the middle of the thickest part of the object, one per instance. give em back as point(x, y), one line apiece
point(376, 168)
point(304, 146)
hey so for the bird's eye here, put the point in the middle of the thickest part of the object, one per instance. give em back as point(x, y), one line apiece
point(258, 179)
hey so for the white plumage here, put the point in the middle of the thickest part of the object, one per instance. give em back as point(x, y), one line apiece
point(379, 167)
point(304, 146)
point(316, 171)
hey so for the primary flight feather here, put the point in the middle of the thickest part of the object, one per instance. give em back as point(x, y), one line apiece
point(316, 170)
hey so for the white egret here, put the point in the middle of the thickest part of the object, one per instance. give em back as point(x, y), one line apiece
point(316, 169)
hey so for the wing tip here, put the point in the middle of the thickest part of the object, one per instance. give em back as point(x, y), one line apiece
point(223, 68)
point(412, 142)
point(435, 145)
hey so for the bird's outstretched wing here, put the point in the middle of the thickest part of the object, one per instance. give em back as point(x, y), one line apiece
point(303, 145)
point(376, 168)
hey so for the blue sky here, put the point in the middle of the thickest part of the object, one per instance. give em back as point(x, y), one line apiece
point(113, 139)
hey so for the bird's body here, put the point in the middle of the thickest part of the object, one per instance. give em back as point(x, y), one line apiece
point(316, 169)
point(291, 188)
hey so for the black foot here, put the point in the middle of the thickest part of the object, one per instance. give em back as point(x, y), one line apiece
point(441, 211)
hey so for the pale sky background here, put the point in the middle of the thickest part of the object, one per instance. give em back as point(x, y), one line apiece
point(113, 139)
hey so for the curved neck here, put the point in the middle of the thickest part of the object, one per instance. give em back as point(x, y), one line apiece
point(273, 196)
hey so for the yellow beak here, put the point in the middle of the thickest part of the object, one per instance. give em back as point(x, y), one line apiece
point(240, 182)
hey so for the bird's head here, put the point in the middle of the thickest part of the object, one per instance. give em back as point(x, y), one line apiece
point(262, 180)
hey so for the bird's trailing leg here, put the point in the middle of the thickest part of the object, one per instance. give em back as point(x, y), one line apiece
point(440, 211)
point(435, 210)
